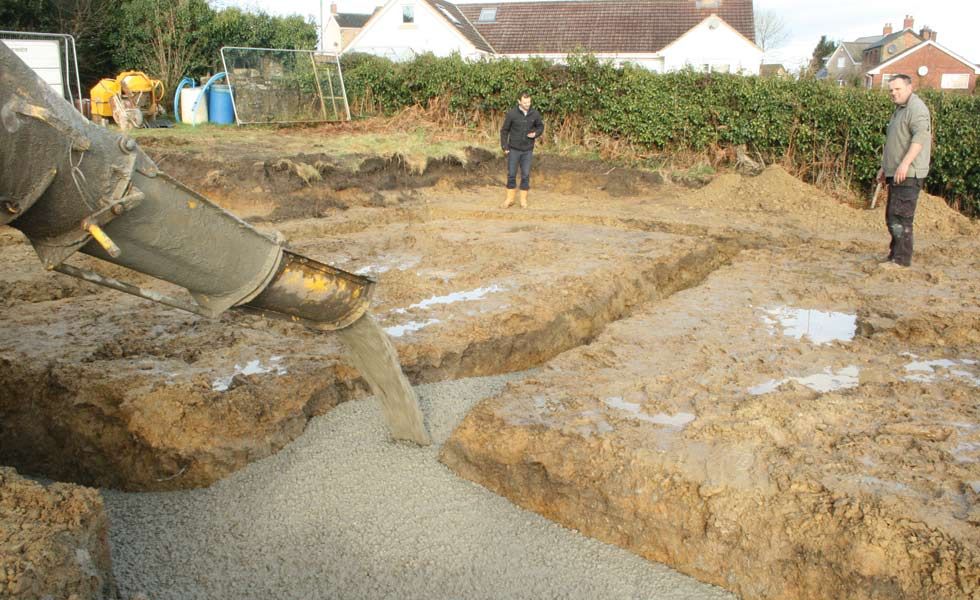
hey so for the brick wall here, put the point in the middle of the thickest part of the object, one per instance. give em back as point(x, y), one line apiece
point(939, 64)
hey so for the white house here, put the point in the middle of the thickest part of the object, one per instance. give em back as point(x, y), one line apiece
point(662, 35)
point(712, 45)
point(340, 28)
point(402, 29)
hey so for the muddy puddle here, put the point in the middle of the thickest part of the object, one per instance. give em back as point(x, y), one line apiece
point(724, 381)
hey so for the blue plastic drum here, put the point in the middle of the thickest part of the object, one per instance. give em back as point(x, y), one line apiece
point(220, 109)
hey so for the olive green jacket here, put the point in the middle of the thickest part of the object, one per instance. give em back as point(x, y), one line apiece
point(910, 123)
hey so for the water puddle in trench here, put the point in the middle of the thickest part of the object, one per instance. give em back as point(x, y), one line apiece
point(677, 421)
point(470, 295)
point(252, 367)
point(477, 294)
point(817, 326)
point(828, 381)
point(928, 371)
point(389, 263)
point(400, 330)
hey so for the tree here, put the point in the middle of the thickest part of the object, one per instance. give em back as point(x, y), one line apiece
point(86, 20)
point(770, 30)
point(166, 39)
point(825, 47)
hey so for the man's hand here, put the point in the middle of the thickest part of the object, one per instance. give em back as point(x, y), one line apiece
point(532, 134)
point(506, 151)
point(901, 173)
point(880, 177)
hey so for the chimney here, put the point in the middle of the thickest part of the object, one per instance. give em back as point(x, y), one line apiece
point(333, 8)
point(927, 34)
point(909, 22)
point(887, 30)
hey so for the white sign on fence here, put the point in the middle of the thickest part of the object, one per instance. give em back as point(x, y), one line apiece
point(44, 57)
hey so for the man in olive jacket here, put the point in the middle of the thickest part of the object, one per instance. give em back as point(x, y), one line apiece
point(522, 126)
point(904, 166)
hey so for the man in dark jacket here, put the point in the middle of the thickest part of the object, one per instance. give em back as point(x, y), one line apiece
point(522, 126)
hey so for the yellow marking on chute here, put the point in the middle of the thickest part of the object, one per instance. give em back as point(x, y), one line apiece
point(100, 236)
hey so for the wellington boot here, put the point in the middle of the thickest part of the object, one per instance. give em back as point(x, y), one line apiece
point(523, 198)
point(510, 198)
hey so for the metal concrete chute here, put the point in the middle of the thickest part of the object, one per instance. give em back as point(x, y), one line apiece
point(71, 186)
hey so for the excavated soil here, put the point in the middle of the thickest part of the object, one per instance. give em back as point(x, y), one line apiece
point(658, 313)
point(54, 540)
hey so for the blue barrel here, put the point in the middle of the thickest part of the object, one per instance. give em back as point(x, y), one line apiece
point(220, 109)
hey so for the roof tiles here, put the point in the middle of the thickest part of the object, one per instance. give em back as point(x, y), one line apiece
point(620, 26)
point(458, 19)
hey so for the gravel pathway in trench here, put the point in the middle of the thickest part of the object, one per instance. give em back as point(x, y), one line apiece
point(344, 513)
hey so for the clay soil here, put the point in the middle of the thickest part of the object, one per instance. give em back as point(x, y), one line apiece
point(692, 408)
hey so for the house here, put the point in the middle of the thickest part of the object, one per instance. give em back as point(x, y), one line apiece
point(666, 35)
point(846, 64)
point(930, 65)
point(871, 61)
point(402, 29)
point(340, 28)
point(891, 43)
point(774, 71)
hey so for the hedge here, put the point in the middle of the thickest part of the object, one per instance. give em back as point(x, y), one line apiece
point(822, 129)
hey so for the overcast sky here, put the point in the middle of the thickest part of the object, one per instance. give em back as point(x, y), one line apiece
point(957, 22)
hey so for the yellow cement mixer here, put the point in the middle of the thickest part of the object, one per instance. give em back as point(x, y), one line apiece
point(131, 99)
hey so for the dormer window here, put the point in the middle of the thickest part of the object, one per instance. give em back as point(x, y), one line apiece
point(448, 14)
point(488, 15)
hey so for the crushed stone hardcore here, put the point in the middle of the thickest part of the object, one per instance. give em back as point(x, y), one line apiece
point(344, 513)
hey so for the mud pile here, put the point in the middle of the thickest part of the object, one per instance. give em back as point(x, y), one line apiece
point(775, 194)
point(54, 541)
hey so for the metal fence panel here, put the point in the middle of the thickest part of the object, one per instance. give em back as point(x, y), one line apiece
point(68, 68)
point(285, 86)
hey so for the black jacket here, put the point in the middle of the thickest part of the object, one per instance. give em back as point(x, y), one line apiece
point(513, 135)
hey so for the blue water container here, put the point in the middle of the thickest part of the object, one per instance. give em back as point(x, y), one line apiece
point(220, 109)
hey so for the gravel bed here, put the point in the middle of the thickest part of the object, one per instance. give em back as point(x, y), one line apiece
point(343, 512)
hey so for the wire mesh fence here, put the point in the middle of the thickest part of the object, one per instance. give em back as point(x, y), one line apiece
point(285, 86)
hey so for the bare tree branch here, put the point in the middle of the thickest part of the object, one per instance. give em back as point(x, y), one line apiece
point(770, 30)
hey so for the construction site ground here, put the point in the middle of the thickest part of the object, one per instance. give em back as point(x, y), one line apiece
point(722, 379)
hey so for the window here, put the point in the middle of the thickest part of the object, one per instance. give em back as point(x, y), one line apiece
point(488, 15)
point(840, 62)
point(408, 14)
point(955, 81)
point(445, 12)
point(722, 68)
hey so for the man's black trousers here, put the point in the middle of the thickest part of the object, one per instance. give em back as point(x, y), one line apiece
point(899, 213)
point(522, 158)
